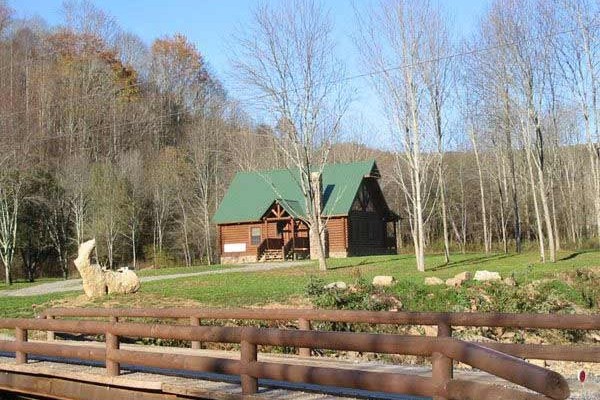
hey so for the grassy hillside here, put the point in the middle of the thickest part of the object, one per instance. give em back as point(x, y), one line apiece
point(558, 281)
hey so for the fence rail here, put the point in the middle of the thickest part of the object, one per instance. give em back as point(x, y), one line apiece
point(442, 350)
point(444, 321)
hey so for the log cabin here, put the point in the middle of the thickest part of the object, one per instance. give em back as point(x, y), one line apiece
point(262, 215)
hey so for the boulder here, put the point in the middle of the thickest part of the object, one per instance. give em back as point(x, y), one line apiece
point(98, 282)
point(459, 279)
point(464, 276)
point(487, 276)
point(336, 285)
point(453, 282)
point(383, 280)
point(432, 280)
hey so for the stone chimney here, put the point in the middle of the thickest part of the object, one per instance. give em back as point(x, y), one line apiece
point(316, 184)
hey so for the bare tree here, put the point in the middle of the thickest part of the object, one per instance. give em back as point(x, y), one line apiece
point(10, 201)
point(287, 58)
point(484, 216)
point(132, 172)
point(577, 57)
point(397, 33)
point(437, 75)
point(5, 16)
point(58, 222)
point(108, 195)
point(74, 178)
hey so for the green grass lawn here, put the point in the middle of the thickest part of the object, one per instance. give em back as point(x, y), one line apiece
point(287, 286)
point(239, 289)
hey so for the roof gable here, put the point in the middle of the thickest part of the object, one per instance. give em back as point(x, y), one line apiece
point(251, 194)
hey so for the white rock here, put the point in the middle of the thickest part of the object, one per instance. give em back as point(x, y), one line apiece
point(487, 276)
point(336, 285)
point(432, 280)
point(453, 282)
point(459, 279)
point(383, 280)
point(464, 276)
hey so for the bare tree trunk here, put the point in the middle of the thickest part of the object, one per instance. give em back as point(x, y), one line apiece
point(481, 192)
point(540, 232)
point(513, 175)
point(442, 190)
point(10, 199)
point(554, 219)
point(133, 248)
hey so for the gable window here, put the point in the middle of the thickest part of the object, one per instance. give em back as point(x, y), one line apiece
point(363, 201)
point(255, 236)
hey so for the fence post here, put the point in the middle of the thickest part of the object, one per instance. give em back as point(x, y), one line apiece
point(304, 324)
point(248, 355)
point(20, 337)
point(442, 366)
point(195, 321)
point(50, 334)
point(112, 344)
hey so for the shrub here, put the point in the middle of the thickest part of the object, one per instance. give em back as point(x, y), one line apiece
point(358, 296)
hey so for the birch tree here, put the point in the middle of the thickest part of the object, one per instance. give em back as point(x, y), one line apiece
point(286, 57)
point(577, 55)
point(398, 33)
point(437, 76)
point(10, 202)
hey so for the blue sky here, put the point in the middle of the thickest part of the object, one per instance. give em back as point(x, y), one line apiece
point(209, 24)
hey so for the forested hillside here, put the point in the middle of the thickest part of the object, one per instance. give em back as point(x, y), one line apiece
point(494, 142)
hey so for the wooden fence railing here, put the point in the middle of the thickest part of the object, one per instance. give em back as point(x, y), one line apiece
point(442, 350)
point(444, 321)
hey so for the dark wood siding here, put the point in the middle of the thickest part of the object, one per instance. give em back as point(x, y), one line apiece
point(367, 233)
point(366, 227)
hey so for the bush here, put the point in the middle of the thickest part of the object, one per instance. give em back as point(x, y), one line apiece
point(358, 296)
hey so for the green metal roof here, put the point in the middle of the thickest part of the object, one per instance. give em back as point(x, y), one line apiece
point(251, 194)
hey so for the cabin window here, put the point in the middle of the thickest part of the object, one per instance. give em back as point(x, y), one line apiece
point(255, 236)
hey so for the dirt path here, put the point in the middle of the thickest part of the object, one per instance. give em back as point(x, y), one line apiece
point(76, 285)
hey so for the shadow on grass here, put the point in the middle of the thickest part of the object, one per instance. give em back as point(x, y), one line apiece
point(575, 254)
point(471, 261)
point(370, 261)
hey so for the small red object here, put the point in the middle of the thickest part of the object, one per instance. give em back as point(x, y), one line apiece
point(581, 376)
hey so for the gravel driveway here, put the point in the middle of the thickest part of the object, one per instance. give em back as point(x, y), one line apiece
point(72, 285)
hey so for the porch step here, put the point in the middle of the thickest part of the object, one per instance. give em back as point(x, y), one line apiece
point(272, 255)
